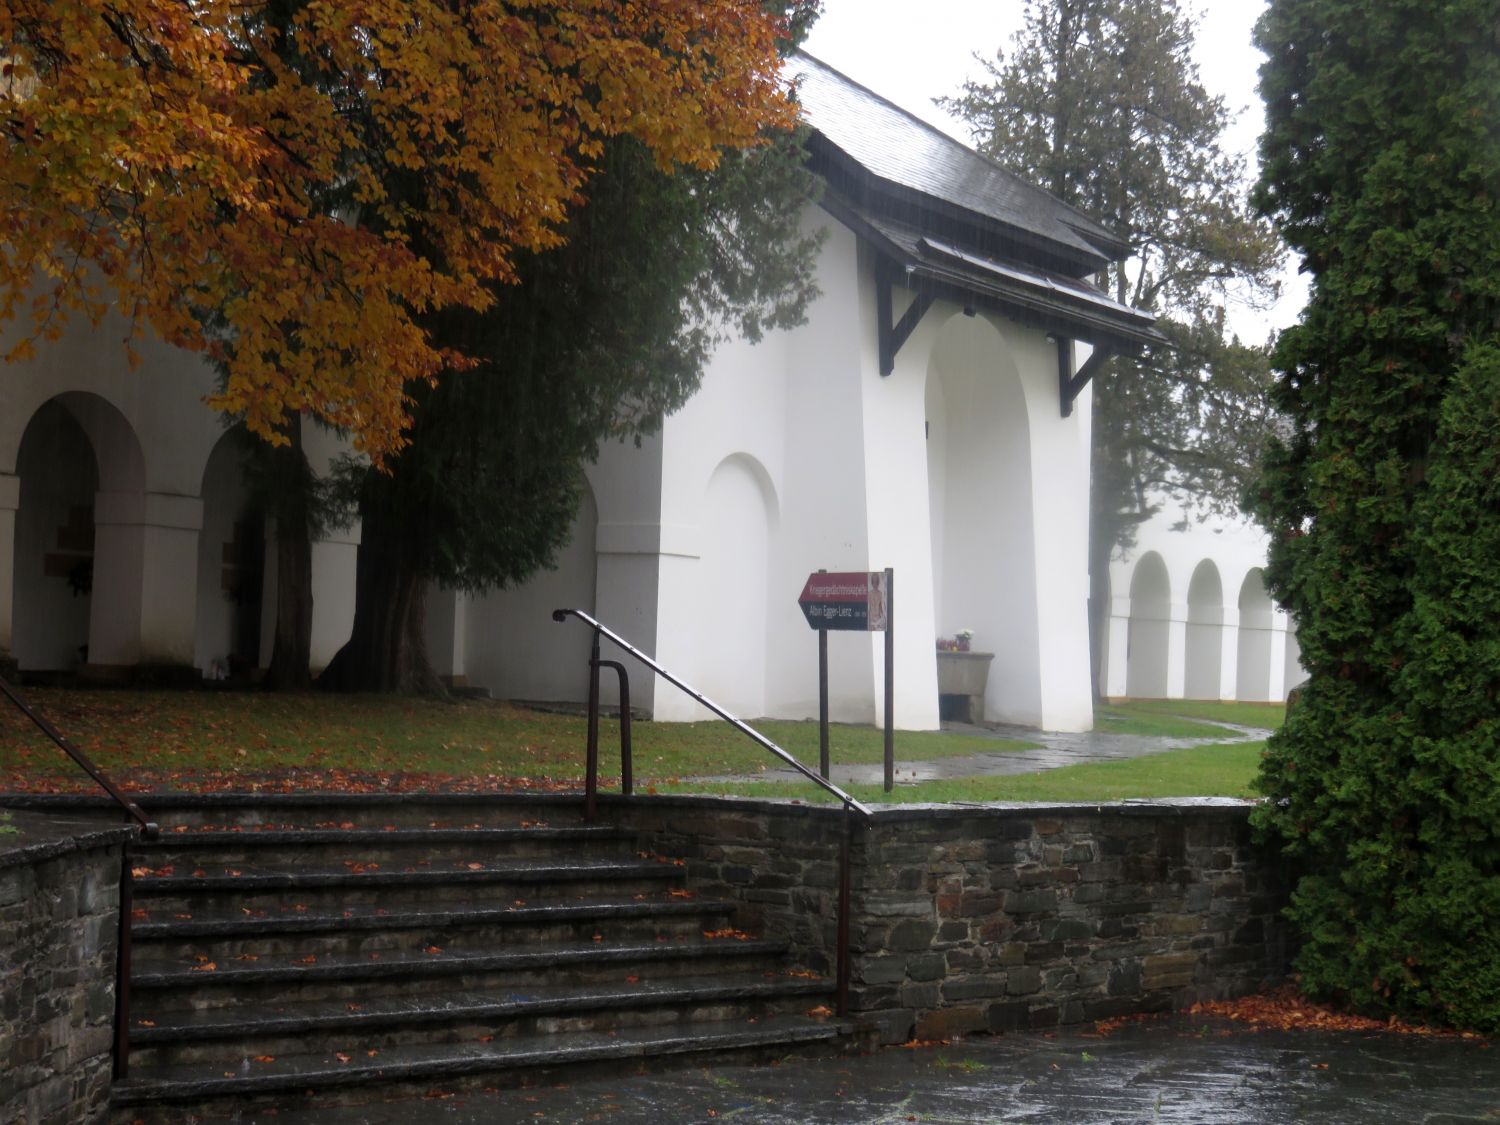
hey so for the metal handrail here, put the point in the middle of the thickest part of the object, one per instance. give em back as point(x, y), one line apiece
point(842, 952)
point(149, 830)
point(744, 727)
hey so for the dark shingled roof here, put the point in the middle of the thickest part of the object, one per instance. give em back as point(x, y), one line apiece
point(953, 223)
point(895, 146)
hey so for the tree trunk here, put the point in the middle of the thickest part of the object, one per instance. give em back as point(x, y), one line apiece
point(387, 649)
point(291, 651)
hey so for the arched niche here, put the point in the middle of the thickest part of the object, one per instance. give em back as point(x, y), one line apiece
point(1150, 629)
point(737, 519)
point(1253, 675)
point(1205, 633)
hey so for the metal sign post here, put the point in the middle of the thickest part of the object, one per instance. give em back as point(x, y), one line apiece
point(856, 601)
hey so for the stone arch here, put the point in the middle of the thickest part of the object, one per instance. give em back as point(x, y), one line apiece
point(52, 588)
point(231, 562)
point(78, 449)
point(512, 645)
point(980, 501)
point(1253, 664)
point(1205, 633)
point(739, 515)
point(1150, 629)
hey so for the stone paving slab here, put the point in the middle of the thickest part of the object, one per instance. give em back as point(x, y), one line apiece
point(1170, 1071)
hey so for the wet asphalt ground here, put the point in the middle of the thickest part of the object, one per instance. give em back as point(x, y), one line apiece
point(1175, 1070)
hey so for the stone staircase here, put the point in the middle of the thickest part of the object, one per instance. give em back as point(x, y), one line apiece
point(287, 954)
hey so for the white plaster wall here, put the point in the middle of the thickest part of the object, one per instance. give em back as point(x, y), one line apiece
point(896, 496)
point(821, 487)
point(790, 407)
point(513, 646)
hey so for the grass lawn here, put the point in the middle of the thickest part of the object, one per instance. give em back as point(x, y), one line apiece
point(184, 738)
point(1174, 718)
point(1224, 770)
point(221, 740)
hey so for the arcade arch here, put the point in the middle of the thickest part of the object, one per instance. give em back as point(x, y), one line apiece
point(231, 563)
point(1150, 629)
point(1205, 633)
point(1253, 679)
point(79, 554)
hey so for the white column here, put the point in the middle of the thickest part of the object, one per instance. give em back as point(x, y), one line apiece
point(169, 578)
point(145, 591)
point(115, 603)
point(10, 501)
point(1177, 650)
point(1280, 623)
point(1229, 653)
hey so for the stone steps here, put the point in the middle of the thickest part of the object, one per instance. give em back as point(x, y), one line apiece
point(503, 1061)
point(306, 953)
point(162, 933)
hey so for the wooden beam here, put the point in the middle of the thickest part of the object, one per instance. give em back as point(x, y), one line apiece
point(892, 336)
point(1070, 382)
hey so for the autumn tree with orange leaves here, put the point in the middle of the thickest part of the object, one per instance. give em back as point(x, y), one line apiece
point(235, 175)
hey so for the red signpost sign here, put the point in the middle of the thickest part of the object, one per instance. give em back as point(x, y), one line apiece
point(855, 600)
point(848, 600)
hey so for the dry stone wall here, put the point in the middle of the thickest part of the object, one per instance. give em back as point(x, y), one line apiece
point(59, 928)
point(1000, 918)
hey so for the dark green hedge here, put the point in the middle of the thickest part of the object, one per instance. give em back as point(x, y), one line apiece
point(1382, 165)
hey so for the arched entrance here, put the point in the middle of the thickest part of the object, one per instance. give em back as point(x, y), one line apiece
point(1150, 629)
point(980, 510)
point(79, 554)
point(231, 563)
point(1205, 633)
point(54, 550)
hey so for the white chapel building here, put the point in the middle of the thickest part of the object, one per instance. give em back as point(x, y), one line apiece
point(932, 416)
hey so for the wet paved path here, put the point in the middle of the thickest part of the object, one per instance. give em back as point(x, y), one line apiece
point(1179, 1069)
point(1055, 750)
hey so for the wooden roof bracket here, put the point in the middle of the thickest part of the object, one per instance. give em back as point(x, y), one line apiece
point(1070, 382)
point(893, 335)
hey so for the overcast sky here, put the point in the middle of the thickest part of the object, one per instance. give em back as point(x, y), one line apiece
point(911, 53)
